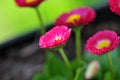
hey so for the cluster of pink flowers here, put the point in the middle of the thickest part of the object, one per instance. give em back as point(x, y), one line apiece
point(28, 3)
point(60, 34)
point(79, 16)
point(99, 44)
point(102, 42)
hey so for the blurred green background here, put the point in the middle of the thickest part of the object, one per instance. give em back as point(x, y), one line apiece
point(16, 21)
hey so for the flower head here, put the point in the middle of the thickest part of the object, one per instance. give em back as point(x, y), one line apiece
point(102, 42)
point(76, 17)
point(92, 69)
point(55, 37)
point(28, 3)
point(115, 6)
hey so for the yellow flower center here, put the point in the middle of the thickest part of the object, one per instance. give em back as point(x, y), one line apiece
point(72, 18)
point(57, 38)
point(30, 1)
point(103, 43)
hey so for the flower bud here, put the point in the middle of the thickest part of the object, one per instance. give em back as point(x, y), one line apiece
point(92, 69)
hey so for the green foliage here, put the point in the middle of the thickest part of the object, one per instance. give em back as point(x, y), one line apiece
point(58, 78)
point(37, 76)
point(54, 66)
point(55, 69)
point(79, 69)
point(107, 76)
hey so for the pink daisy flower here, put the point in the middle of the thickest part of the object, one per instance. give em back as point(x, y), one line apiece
point(76, 17)
point(28, 3)
point(102, 42)
point(115, 6)
point(55, 37)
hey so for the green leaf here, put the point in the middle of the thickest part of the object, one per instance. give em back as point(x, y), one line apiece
point(54, 66)
point(79, 74)
point(107, 76)
point(79, 70)
point(37, 76)
point(58, 78)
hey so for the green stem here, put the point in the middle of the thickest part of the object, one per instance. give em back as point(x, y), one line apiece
point(99, 76)
point(40, 21)
point(110, 63)
point(77, 31)
point(66, 60)
point(78, 71)
point(77, 74)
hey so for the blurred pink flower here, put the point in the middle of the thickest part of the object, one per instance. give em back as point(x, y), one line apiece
point(79, 16)
point(92, 69)
point(115, 6)
point(28, 3)
point(55, 37)
point(102, 42)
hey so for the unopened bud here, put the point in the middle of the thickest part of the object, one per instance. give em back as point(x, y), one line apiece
point(92, 69)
